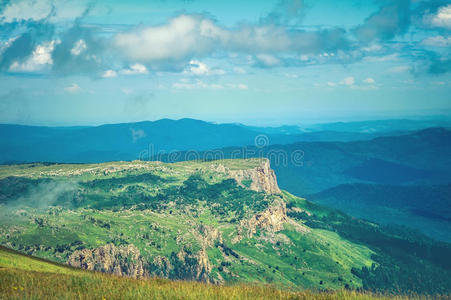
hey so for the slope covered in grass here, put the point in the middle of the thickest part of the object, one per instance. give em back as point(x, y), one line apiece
point(24, 277)
point(223, 222)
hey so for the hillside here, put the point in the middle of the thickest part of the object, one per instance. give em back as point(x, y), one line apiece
point(224, 222)
point(26, 277)
point(425, 208)
point(303, 168)
point(130, 141)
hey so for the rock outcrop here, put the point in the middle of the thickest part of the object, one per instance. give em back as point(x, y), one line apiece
point(122, 260)
point(271, 220)
point(208, 236)
point(263, 178)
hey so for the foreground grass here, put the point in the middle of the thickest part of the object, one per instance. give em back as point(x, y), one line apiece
point(17, 284)
point(25, 277)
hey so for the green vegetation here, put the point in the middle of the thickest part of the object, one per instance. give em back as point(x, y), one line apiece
point(202, 221)
point(23, 277)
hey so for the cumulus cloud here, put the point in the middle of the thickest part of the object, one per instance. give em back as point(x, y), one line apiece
point(442, 18)
point(38, 10)
point(184, 41)
point(268, 60)
point(392, 19)
point(22, 47)
point(26, 10)
point(369, 80)
point(437, 41)
point(348, 81)
point(39, 59)
point(199, 68)
point(109, 74)
point(183, 36)
point(79, 47)
point(135, 69)
point(189, 36)
point(80, 51)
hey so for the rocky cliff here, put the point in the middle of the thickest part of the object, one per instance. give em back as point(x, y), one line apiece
point(122, 260)
point(263, 178)
point(271, 220)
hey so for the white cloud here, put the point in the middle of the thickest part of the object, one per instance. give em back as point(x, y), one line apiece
point(22, 10)
point(109, 74)
point(135, 69)
point(79, 47)
point(437, 41)
point(348, 81)
point(332, 84)
point(442, 18)
point(268, 60)
point(39, 59)
point(73, 88)
point(187, 36)
point(26, 10)
point(369, 80)
point(199, 68)
point(182, 36)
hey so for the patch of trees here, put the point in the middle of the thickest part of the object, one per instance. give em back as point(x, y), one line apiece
point(406, 261)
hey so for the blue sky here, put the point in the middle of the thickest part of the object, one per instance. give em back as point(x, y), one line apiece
point(257, 62)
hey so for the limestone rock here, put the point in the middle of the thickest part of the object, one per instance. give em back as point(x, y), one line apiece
point(263, 178)
point(122, 260)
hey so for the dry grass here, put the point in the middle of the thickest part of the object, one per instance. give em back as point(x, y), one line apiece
point(21, 284)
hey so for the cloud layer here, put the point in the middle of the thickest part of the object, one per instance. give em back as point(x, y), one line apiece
point(37, 42)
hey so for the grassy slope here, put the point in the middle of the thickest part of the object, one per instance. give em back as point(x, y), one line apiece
point(320, 258)
point(24, 277)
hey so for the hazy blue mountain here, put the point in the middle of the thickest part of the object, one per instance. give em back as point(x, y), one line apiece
point(129, 141)
point(116, 141)
point(426, 208)
point(303, 168)
point(379, 126)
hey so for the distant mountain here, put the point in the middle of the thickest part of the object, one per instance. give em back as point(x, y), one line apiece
point(129, 141)
point(303, 168)
point(116, 141)
point(379, 126)
point(425, 208)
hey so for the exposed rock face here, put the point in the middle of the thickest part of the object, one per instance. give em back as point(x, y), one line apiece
point(161, 266)
point(263, 178)
point(271, 219)
point(122, 260)
point(184, 265)
point(209, 236)
point(203, 266)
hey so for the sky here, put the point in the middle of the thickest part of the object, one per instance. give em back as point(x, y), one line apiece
point(260, 62)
